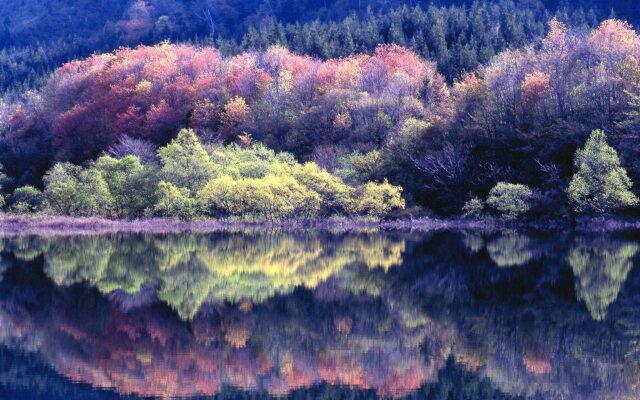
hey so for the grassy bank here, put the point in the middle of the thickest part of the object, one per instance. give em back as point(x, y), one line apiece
point(58, 225)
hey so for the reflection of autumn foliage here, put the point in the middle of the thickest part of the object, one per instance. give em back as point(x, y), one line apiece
point(388, 331)
point(535, 364)
point(150, 352)
point(536, 360)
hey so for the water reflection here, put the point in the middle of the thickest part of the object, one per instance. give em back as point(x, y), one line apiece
point(188, 270)
point(601, 267)
point(274, 312)
point(510, 249)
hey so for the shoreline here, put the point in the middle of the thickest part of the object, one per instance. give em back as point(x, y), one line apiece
point(43, 225)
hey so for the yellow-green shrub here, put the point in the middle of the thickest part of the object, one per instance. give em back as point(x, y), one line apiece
point(174, 202)
point(377, 199)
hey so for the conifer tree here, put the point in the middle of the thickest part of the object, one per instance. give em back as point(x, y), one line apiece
point(600, 184)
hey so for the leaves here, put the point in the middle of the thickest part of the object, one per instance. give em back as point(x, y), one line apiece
point(600, 184)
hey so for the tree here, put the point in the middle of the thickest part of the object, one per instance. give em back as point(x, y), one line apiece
point(131, 184)
point(70, 190)
point(600, 184)
point(510, 200)
point(235, 118)
point(273, 197)
point(174, 202)
point(126, 145)
point(287, 198)
point(185, 163)
point(358, 168)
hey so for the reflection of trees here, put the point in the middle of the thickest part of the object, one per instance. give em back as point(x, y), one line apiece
point(600, 267)
point(510, 249)
point(278, 346)
point(188, 270)
point(358, 325)
point(473, 241)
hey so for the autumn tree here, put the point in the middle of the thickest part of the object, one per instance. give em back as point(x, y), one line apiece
point(235, 118)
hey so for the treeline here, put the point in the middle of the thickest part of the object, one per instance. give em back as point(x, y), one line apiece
point(250, 183)
point(459, 37)
point(517, 120)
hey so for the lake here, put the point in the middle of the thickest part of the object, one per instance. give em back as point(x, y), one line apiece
point(321, 314)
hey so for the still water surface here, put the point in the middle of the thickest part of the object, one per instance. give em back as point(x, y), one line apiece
point(320, 314)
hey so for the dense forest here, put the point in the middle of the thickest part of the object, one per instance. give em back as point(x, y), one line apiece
point(37, 37)
point(497, 108)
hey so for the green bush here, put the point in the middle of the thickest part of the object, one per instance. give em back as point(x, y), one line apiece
point(334, 193)
point(131, 184)
point(175, 202)
point(357, 168)
point(473, 208)
point(225, 181)
point(71, 190)
point(26, 199)
point(256, 161)
point(510, 200)
point(274, 197)
point(378, 199)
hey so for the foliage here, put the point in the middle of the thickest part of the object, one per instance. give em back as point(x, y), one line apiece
point(383, 113)
point(247, 182)
point(272, 197)
point(70, 30)
point(174, 202)
point(334, 194)
point(510, 200)
point(378, 199)
point(128, 146)
point(473, 208)
point(131, 185)
point(185, 163)
point(600, 184)
point(26, 199)
point(142, 96)
point(357, 168)
point(255, 161)
point(71, 190)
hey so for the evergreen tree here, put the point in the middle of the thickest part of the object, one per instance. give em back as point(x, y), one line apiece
point(600, 184)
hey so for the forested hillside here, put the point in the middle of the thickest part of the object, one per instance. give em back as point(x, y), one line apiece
point(38, 36)
point(518, 118)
